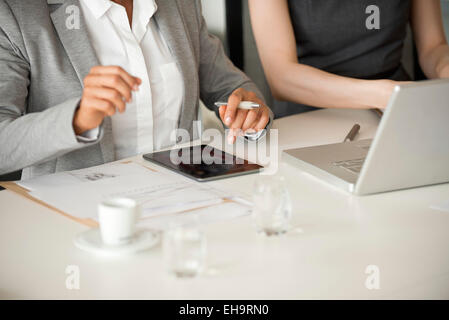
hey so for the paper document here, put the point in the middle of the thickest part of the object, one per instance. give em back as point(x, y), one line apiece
point(224, 211)
point(79, 192)
point(106, 171)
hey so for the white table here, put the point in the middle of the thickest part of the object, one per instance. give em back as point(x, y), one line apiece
point(341, 235)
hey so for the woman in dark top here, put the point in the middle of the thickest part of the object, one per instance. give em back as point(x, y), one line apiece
point(344, 53)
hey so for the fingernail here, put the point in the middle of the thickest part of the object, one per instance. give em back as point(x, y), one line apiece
point(135, 87)
point(228, 120)
point(249, 131)
point(230, 139)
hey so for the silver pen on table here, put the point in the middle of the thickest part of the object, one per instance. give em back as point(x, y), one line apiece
point(351, 135)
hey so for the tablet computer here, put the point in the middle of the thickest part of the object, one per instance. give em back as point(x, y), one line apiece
point(202, 163)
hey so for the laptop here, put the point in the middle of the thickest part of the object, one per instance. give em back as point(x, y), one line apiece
point(410, 148)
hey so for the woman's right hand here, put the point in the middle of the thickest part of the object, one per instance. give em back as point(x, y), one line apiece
point(382, 91)
point(106, 89)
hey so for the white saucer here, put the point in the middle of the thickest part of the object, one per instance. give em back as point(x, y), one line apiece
point(90, 241)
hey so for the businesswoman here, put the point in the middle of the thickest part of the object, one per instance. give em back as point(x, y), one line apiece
point(84, 82)
point(346, 53)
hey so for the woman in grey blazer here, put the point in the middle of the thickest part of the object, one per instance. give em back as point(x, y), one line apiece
point(45, 59)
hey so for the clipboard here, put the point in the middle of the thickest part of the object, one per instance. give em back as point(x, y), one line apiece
point(14, 187)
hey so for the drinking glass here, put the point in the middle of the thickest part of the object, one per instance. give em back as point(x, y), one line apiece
point(184, 249)
point(272, 208)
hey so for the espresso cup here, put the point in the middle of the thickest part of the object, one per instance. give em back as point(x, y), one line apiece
point(118, 218)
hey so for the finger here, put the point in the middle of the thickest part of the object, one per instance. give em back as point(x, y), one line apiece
point(222, 111)
point(132, 81)
point(117, 70)
point(231, 137)
point(250, 119)
point(264, 119)
point(239, 119)
point(104, 106)
point(232, 107)
point(236, 126)
point(110, 81)
point(253, 126)
point(111, 95)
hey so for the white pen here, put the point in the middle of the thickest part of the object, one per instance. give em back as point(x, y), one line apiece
point(245, 105)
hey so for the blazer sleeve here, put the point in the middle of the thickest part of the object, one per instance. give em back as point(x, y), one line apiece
point(28, 139)
point(217, 75)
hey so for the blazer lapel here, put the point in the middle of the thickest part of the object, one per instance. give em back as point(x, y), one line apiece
point(77, 44)
point(172, 26)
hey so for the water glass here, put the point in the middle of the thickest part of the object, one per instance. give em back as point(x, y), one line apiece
point(272, 208)
point(184, 249)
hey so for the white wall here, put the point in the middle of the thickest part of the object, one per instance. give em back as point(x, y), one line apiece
point(214, 12)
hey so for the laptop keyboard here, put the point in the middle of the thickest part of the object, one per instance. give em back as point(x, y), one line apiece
point(353, 166)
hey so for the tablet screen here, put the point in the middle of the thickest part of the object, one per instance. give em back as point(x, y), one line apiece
point(202, 163)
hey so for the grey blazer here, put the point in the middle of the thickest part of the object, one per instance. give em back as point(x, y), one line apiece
point(42, 67)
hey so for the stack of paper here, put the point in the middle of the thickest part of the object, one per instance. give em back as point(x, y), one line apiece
point(160, 195)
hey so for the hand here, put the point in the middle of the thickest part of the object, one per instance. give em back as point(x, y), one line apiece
point(239, 120)
point(383, 91)
point(444, 73)
point(106, 89)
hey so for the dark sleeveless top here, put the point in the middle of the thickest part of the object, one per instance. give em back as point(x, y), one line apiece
point(332, 35)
